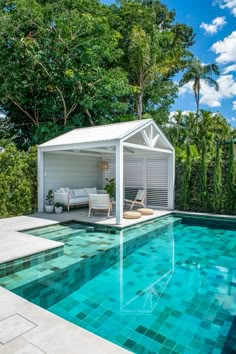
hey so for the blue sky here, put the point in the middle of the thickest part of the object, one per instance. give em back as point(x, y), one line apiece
point(214, 22)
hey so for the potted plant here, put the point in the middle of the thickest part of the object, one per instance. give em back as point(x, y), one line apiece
point(49, 207)
point(58, 207)
point(110, 187)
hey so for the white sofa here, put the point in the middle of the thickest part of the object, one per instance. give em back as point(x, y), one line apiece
point(75, 196)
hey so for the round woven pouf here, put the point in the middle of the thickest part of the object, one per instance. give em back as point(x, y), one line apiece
point(146, 211)
point(131, 215)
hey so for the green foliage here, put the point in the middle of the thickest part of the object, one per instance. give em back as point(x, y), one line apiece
point(110, 187)
point(58, 205)
point(217, 180)
point(230, 180)
point(59, 67)
point(209, 186)
point(186, 178)
point(67, 64)
point(49, 197)
point(203, 173)
point(18, 182)
point(217, 189)
point(154, 50)
point(197, 72)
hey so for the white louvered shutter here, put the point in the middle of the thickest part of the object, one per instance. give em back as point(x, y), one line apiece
point(157, 181)
point(133, 177)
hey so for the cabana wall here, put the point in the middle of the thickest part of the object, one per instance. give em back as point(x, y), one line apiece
point(74, 171)
point(140, 172)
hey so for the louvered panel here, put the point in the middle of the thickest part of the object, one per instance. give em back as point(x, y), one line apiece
point(157, 181)
point(133, 173)
point(152, 175)
point(133, 177)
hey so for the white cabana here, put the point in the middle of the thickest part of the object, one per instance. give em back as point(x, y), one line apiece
point(136, 153)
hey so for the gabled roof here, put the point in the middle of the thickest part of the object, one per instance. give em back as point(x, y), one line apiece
point(143, 132)
point(106, 132)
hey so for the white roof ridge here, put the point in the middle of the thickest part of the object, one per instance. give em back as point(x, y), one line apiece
point(142, 122)
point(138, 122)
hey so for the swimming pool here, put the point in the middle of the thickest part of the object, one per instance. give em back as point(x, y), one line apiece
point(168, 286)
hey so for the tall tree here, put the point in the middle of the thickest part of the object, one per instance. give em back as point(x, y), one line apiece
point(149, 61)
point(217, 179)
point(155, 49)
point(203, 174)
point(198, 72)
point(186, 177)
point(58, 67)
point(230, 179)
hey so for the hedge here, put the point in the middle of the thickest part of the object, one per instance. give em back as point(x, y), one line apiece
point(217, 199)
point(18, 181)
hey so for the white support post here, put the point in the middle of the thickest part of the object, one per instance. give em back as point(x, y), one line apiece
point(119, 182)
point(40, 181)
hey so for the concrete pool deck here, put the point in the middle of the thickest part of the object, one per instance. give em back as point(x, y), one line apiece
point(29, 329)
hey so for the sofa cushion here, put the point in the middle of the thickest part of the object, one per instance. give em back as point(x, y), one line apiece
point(79, 200)
point(92, 190)
point(77, 193)
point(64, 189)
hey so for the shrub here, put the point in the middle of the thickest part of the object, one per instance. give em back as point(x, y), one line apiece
point(18, 181)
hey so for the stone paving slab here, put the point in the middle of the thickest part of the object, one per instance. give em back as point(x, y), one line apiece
point(30, 349)
point(14, 326)
point(52, 335)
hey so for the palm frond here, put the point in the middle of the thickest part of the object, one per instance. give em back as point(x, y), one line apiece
point(211, 82)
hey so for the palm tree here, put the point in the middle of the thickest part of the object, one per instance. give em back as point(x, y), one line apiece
point(150, 60)
point(197, 72)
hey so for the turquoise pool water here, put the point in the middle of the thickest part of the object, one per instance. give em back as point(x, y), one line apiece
point(164, 287)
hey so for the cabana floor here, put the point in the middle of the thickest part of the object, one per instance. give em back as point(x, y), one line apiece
point(99, 217)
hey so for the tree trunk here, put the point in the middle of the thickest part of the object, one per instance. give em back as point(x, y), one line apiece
point(140, 105)
point(90, 118)
point(197, 98)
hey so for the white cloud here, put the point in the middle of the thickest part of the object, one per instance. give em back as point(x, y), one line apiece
point(214, 26)
point(227, 89)
point(187, 88)
point(226, 49)
point(229, 69)
point(231, 120)
point(211, 97)
point(234, 105)
point(229, 4)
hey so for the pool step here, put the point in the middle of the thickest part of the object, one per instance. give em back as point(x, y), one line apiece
point(17, 265)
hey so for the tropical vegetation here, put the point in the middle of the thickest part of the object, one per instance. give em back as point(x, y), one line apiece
point(78, 63)
point(197, 73)
point(205, 166)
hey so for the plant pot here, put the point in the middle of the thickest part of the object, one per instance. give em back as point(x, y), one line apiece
point(49, 208)
point(58, 210)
